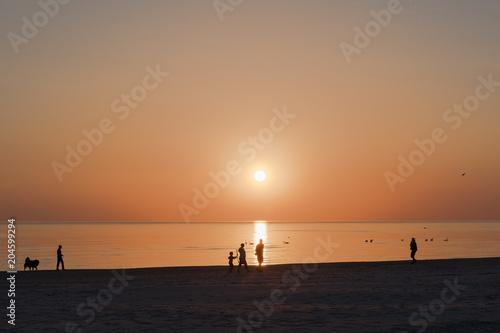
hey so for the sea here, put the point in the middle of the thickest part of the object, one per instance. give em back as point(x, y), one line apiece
point(112, 245)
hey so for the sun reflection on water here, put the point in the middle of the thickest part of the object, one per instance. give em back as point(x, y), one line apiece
point(260, 233)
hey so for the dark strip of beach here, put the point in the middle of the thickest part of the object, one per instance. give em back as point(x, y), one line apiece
point(455, 295)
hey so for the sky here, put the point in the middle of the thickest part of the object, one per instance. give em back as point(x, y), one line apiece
point(164, 110)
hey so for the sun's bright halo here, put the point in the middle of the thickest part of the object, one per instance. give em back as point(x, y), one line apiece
point(259, 175)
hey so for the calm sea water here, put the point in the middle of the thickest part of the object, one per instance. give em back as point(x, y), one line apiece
point(132, 245)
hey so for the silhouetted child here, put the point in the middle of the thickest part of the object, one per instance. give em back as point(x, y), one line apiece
point(231, 266)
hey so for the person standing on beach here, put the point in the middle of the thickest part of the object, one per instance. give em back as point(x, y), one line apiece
point(259, 252)
point(231, 266)
point(243, 258)
point(59, 258)
point(413, 248)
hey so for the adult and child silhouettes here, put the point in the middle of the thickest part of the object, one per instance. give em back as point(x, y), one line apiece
point(59, 258)
point(413, 248)
point(259, 252)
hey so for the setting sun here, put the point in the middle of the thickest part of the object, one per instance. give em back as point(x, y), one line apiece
point(259, 175)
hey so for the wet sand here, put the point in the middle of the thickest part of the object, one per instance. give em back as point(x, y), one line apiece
point(456, 295)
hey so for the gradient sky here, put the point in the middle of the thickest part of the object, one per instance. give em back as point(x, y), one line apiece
point(352, 119)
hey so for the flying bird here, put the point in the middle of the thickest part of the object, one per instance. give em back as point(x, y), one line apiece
point(463, 174)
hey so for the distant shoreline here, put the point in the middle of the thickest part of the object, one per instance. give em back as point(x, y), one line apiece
point(333, 264)
point(142, 245)
point(203, 222)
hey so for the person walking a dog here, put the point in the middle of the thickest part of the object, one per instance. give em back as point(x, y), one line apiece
point(59, 258)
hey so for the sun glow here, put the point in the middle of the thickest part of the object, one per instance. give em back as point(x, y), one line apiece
point(259, 175)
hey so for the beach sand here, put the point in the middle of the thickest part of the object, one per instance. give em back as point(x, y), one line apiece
point(336, 297)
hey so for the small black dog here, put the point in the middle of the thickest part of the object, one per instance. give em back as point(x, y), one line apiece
point(31, 264)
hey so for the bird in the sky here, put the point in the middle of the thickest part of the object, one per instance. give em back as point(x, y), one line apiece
point(463, 174)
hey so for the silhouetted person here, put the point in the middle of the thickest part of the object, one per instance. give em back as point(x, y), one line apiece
point(59, 258)
point(259, 252)
point(243, 257)
point(231, 266)
point(413, 248)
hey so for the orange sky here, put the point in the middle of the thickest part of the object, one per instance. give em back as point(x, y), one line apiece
point(176, 94)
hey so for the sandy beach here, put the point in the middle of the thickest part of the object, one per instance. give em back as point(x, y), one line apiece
point(459, 295)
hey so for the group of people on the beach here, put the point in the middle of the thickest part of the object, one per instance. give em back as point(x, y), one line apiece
point(259, 252)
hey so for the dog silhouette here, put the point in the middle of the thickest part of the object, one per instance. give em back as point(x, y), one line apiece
point(31, 264)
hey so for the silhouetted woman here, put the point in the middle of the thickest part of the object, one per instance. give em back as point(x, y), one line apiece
point(413, 248)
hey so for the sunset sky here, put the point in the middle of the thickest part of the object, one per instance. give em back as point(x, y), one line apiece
point(128, 110)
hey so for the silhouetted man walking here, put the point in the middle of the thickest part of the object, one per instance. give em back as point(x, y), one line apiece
point(413, 248)
point(59, 258)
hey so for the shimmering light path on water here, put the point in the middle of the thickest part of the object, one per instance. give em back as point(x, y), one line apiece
point(116, 245)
